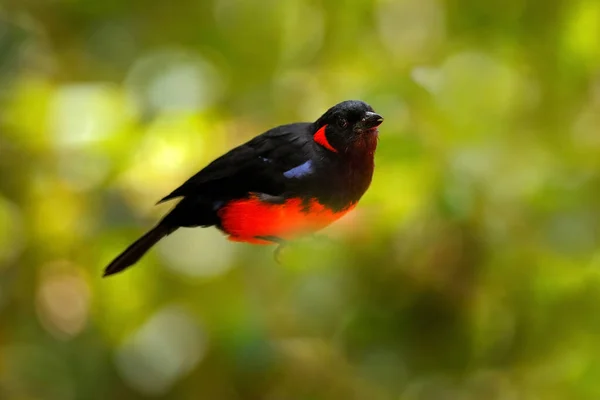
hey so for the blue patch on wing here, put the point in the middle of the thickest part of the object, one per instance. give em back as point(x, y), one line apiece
point(217, 204)
point(299, 171)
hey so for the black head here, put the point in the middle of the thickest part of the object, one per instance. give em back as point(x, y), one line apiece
point(348, 124)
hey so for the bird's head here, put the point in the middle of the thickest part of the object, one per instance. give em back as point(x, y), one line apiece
point(347, 126)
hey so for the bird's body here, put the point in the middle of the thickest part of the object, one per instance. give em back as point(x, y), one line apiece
point(290, 181)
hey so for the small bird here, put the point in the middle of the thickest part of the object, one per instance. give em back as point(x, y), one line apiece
point(290, 181)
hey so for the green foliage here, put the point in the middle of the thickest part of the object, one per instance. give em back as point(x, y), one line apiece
point(469, 271)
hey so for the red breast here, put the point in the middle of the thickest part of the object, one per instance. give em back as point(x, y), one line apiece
point(245, 220)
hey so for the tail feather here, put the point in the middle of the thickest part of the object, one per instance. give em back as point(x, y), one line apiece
point(133, 253)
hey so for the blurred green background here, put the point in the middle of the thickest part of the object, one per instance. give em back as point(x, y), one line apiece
point(470, 270)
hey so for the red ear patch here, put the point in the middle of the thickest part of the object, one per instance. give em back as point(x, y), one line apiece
point(322, 139)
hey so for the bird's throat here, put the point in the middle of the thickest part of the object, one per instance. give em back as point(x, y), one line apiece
point(365, 144)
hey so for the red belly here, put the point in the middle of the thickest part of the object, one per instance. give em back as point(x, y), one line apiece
point(245, 220)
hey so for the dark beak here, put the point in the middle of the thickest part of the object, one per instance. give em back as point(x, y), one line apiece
point(371, 120)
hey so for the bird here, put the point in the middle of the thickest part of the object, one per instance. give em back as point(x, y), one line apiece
point(288, 182)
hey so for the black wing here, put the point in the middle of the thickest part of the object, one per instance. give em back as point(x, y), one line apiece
point(255, 166)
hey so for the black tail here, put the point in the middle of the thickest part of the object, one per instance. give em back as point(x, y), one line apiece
point(134, 252)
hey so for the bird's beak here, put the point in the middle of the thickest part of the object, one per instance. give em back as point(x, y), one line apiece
point(371, 120)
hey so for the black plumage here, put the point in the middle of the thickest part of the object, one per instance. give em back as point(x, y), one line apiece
point(330, 160)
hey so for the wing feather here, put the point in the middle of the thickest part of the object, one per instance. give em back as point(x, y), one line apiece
point(255, 166)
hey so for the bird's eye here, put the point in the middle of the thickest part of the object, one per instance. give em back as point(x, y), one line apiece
point(342, 123)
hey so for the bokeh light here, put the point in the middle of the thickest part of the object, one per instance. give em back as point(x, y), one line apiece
point(166, 348)
point(469, 270)
point(63, 299)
